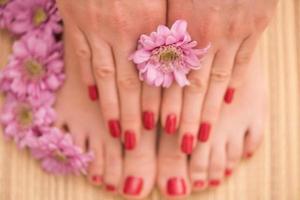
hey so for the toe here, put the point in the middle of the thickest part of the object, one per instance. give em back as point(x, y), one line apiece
point(140, 168)
point(216, 164)
point(253, 139)
point(233, 154)
point(172, 181)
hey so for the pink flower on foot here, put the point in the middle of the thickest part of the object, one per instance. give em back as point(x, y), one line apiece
point(5, 16)
point(167, 55)
point(31, 15)
point(35, 66)
point(21, 120)
point(59, 155)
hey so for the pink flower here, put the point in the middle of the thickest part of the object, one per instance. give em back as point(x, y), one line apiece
point(31, 15)
point(59, 155)
point(35, 66)
point(167, 55)
point(5, 17)
point(21, 120)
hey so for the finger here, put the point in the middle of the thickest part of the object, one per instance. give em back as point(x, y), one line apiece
point(104, 70)
point(192, 104)
point(150, 105)
point(241, 66)
point(84, 57)
point(130, 95)
point(219, 79)
point(171, 108)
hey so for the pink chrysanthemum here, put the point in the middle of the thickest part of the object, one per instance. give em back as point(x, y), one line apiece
point(167, 55)
point(5, 16)
point(59, 155)
point(30, 15)
point(21, 119)
point(35, 66)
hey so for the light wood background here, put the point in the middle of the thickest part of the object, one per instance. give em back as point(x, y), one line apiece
point(273, 173)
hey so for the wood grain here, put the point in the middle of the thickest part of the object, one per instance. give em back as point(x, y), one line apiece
point(273, 173)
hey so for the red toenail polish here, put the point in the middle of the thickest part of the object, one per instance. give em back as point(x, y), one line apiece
point(97, 179)
point(133, 186)
point(110, 188)
point(229, 95)
point(228, 172)
point(204, 132)
point(130, 140)
point(148, 119)
point(114, 128)
point(214, 183)
point(93, 92)
point(170, 127)
point(187, 143)
point(199, 184)
point(176, 186)
point(249, 155)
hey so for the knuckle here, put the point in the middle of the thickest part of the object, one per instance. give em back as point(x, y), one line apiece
point(220, 74)
point(83, 53)
point(103, 71)
point(243, 57)
point(217, 166)
point(197, 84)
point(199, 167)
point(234, 157)
point(129, 83)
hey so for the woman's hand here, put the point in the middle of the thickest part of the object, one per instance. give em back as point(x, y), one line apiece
point(104, 34)
point(233, 29)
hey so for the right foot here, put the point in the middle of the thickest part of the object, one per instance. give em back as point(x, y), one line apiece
point(238, 134)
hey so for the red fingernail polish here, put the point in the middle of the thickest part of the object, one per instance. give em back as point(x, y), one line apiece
point(133, 186)
point(110, 188)
point(199, 184)
point(93, 92)
point(97, 179)
point(114, 128)
point(130, 140)
point(229, 95)
point(171, 121)
point(148, 119)
point(228, 172)
point(204, 132)
point(214, 183)
point(187, 143)
point(176, 186)
point(249, 155)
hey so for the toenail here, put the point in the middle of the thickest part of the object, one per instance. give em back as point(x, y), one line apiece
point(228, 172)
point(97, 179)
point(148, 119)
point(133, 185)
point(187, 143)
point(204, 131)
point(110, 188)
point(199, 184)
point(249, 155)
point(114, 128)
point(214, 183)
point(171, 121)
point(93, 92)
point(229, 95)
point(176, 186)
point(130, 140)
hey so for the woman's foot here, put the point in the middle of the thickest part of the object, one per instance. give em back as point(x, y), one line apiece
point(237, 135)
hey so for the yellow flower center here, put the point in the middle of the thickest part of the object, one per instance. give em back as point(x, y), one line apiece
point(25, 116)
point(39, 16)
point(60, 157)
point(3, 2)
point(168, 54)
point(34, 69)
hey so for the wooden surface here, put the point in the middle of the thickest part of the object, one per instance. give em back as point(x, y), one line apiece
point(273, 173)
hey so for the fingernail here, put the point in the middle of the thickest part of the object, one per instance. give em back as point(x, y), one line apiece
point(130, 140)
point(199, 184)
point(171, 121)
point(228, 172)
point(204, 131)
point(229, 95)
point(110, 188)
point(214, 183)
point(114, 128)
point(133, 186)
point(176, 186)
point(148, 119)
point(187, 143)
point(93, 92)
point(249, 155)
point(96, 179)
